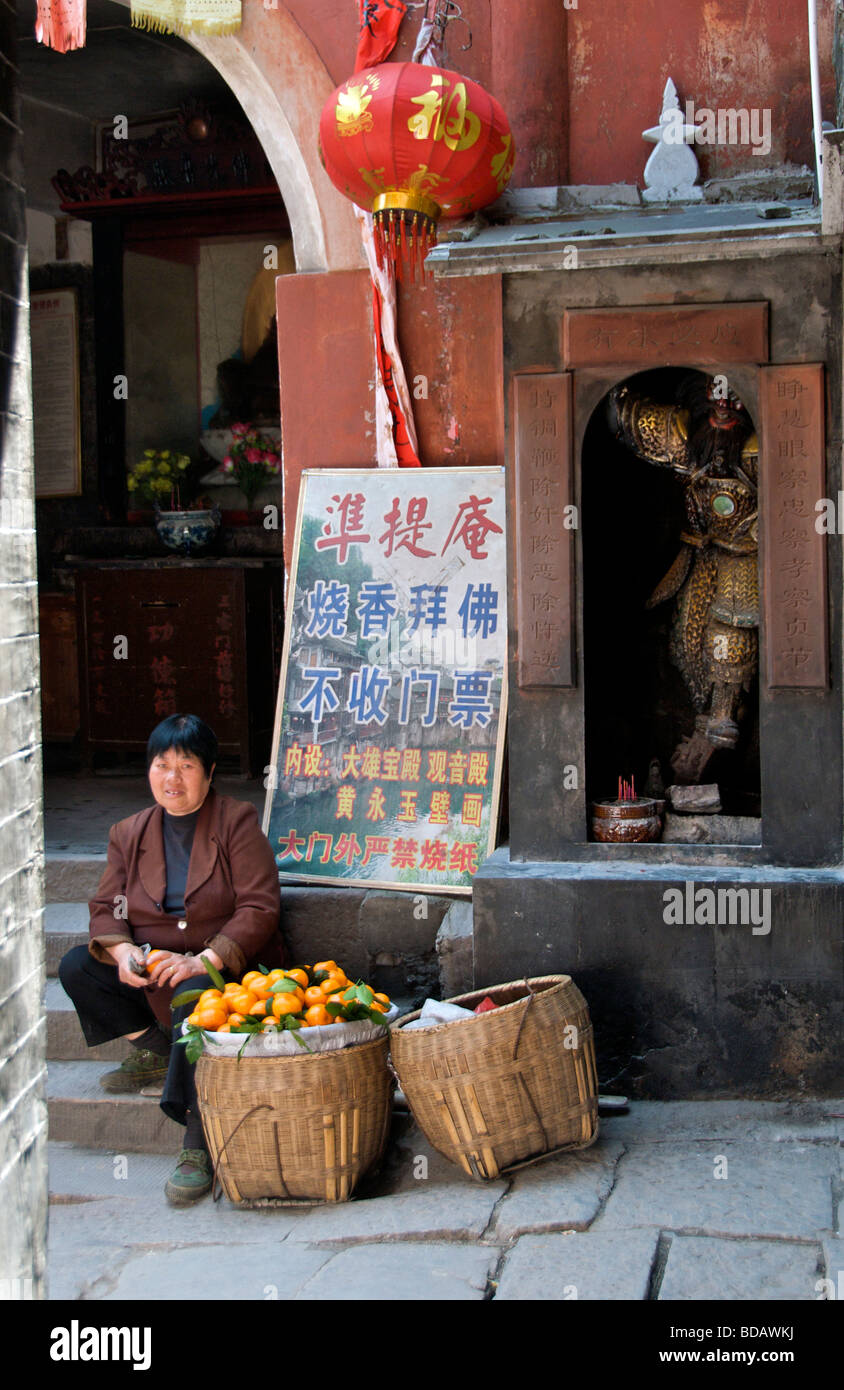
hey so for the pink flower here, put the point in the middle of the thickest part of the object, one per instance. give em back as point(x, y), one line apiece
point(228, 464)
point(253, 456)
point(239, 429)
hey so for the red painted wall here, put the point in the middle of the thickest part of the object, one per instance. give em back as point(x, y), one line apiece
point(580, 85)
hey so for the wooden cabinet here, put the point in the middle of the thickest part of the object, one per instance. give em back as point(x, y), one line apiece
point(179, 637)
point(59, 668)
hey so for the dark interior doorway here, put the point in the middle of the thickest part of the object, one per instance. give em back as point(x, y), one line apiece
point(637, 706)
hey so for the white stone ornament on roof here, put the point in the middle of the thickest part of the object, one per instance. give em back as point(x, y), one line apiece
point(672, 170)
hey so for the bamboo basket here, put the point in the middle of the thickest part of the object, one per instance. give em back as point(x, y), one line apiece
point(506, 1087)
point(297, 1129)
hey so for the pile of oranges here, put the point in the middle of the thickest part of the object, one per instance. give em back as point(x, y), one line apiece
point(278, 1000)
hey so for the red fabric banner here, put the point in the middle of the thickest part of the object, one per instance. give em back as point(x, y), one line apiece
point(60, 24)
point(405, 452)
point(380, 21)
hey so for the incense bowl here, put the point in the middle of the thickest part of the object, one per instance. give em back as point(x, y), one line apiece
point(189, 531)
point(626, 822)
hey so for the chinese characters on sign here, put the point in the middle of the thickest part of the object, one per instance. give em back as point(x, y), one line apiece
point(795, 588)
point(390, 726)
point(542, 431)
point(702, 335)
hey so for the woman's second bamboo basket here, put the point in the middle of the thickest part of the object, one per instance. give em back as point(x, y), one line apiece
point(517, 1083)
point(297, 1129)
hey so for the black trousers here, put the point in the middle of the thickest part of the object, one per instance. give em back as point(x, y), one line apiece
point(109, 1009)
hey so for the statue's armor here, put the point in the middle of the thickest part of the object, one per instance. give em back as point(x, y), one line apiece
point(714, 638)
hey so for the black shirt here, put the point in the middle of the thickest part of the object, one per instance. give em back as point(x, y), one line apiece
point(178, 842)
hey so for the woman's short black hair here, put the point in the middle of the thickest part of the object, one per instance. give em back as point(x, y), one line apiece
point(187, 734)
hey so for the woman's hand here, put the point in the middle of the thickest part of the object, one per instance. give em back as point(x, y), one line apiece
point(121, 954)
point(173, 969)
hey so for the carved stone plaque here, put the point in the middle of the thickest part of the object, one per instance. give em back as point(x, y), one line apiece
point(792, 477)
point(545, 522)
point(697, 334)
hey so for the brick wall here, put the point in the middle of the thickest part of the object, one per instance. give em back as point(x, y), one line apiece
point(23, 1117)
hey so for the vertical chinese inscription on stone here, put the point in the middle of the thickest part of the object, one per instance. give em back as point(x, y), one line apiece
point(544, 534)
point(792, 481)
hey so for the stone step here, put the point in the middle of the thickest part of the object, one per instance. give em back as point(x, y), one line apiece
point(81, 1112)
point(72, 878)
point(65, 926)
point(65, 1039)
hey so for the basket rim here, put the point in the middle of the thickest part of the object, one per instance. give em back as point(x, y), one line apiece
point(558, 982)
point(302, 1055)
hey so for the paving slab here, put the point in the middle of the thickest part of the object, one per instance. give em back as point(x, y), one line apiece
point(766, 1189)
point(670, 1122)
point(78, 1172)
point(703, 1268)
point(81, 1231)
point(582, 1265)
point(460, 1212)
point(401, 1273)
point(561, 1194)
point(65, 925)
point(259, 1270)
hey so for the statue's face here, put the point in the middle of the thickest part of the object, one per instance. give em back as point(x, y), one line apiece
point(724, 408)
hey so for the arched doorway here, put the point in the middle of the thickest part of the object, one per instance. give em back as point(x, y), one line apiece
point(670, 588)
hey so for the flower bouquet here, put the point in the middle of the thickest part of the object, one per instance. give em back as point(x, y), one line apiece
point(252, 460)
point(159, 473)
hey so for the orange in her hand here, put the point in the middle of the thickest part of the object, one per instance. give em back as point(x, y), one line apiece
point(152, 958)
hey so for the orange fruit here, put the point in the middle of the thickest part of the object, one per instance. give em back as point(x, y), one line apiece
point(299, 975)
point(209, 997)
point(153, 957)
point(285, 1004)
point(314, 995)
point(269, 1025)
point(224, 1028)
point(235, 1020)
point(316, 1016)
point(250, 976)
point(378, 1006)
point(193, 1019)
point(242, 1002)
point(329, 965)
point(259, 1010)
point(212, 1019)
point(333, 984)
point(383, 999)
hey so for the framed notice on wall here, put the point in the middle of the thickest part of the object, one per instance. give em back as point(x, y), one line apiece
point(389, 732)
point(55, 393)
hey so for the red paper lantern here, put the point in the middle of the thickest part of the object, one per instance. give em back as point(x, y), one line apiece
point(412, 143)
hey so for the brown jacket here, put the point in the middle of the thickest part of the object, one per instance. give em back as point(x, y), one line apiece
point(232, 896)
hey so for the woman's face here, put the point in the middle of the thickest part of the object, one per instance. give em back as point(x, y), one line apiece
point(178, 781)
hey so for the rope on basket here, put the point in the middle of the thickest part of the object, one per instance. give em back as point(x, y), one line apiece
point(215, 1195)
point(531, 997)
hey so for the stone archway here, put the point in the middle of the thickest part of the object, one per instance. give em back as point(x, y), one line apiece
point(281, 83)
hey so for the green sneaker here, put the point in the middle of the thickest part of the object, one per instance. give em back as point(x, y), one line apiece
point(138, 1070)
point(190, 1179)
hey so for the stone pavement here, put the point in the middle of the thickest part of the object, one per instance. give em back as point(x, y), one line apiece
point(714, 1200)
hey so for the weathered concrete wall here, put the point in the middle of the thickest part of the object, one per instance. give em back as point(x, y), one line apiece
point(23, 1117)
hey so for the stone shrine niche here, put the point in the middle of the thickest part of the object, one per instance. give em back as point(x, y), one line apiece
point(671, 654)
